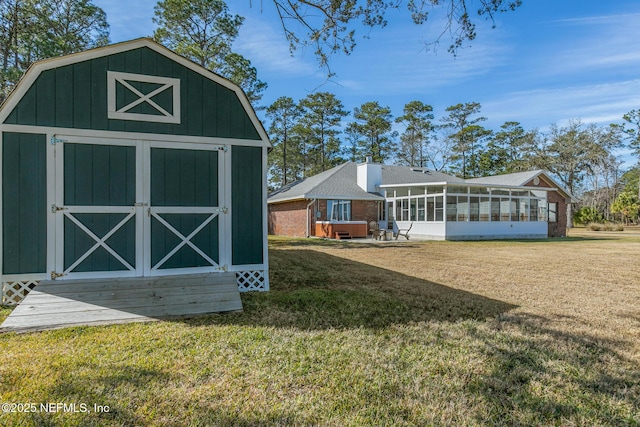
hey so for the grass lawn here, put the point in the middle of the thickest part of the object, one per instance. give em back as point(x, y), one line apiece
point(351, 334)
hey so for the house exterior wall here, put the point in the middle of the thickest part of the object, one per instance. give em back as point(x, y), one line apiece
point(361, 210)
point(558, 228)
point(290, 218)
point(364, 210)
point(496, 230)
point(426, 230)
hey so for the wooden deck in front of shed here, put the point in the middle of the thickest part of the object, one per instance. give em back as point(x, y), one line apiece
point(64, 303)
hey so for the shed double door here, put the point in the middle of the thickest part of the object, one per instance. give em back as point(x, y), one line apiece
point(136, 208)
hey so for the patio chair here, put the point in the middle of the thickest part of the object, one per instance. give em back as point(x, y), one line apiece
point(374, 230)
point(404, 233)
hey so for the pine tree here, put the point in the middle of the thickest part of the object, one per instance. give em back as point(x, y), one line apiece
point(284, 159)
point(322, 113)
point(417, 118)
point(373, 123)
point(466, 137)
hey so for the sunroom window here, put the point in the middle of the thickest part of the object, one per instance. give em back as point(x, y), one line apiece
point(339, 210)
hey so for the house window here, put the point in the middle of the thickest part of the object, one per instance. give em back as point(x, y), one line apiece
point(495, 209)
point(402, 209)
point(413, 208)
point(533, 211)
point(457, 190)
point(339, 210)
point(515, 210)
point(421, 216)
point(431, 209)
point(405, 210)
point(463, 208)
point(485, 208)
point(553, 212)
point(505, 209)
point(524, 209)
point(474, 208)
point(439, 208)
point(452, 208)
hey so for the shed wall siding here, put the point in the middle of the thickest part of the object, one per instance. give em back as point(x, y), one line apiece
point(75, 96)
point(24, 200)
point(246, 205)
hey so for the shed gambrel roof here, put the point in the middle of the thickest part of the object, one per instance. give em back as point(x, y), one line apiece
point(337, 183)
point(70, 92)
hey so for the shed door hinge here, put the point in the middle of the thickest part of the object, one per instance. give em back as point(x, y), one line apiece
point(224, 148)
point(55, 275)
point(55, 140)
point(222, 210)
point(55, 208)
point(223, 267)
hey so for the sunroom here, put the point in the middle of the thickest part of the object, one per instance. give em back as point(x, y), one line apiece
point(458, 211)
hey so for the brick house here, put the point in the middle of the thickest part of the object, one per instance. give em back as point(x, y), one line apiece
point(324, 204)
point(435, 205)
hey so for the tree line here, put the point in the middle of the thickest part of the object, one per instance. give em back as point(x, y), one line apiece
point(317, 133)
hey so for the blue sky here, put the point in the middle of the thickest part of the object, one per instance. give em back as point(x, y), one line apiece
point(548, 62)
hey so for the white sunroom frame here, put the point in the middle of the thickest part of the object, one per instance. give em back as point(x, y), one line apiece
point(441, 229)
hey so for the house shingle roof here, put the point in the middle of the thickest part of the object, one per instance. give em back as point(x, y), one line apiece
point(510, 179)
point(520, 178)
point(340, 182)
point(398, 175)
point(337, 183)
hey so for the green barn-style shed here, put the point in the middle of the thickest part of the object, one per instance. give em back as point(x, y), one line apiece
point(129, 161)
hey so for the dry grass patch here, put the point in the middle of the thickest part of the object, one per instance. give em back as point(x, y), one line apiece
point(411, 333)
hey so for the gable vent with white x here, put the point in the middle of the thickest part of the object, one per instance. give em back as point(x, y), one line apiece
point(143, 98)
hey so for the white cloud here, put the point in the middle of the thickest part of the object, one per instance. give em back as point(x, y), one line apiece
point(599, 103)
point(601, 43)
point(398, 63)
point(268, 51)
point(589, 20)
